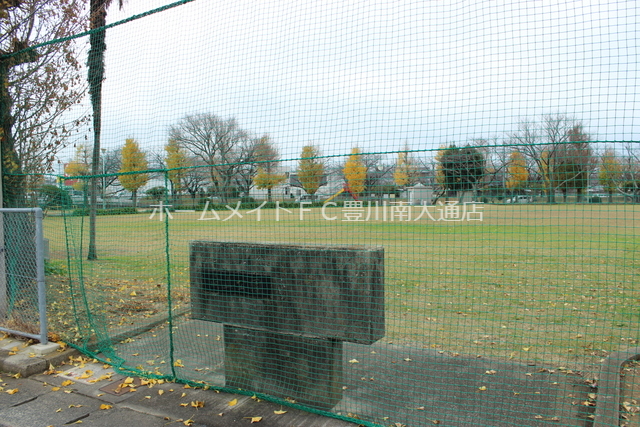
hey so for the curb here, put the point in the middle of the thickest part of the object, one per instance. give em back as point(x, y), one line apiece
point(27, 366)
point(608, 400)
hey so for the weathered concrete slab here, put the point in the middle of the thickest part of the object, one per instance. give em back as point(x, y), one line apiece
point(307, 369)
point(319, 291)
point(49, 409)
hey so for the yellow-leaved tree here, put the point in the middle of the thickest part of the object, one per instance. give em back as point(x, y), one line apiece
point(176, 162)
point(310, 169)
point(517, 174)
point(405, 172)
point(268, 175)
point(133, 163)
point(355, 172)
point(79, 166)
point(610, 174)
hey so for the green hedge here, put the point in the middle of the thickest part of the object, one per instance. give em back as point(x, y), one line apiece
point(114, 211)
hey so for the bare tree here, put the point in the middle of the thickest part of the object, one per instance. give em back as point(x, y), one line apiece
point(557, 153)
point(574, 162)
point(195, 179)
point(37, 86)
point(246, 171)
point(630, 176)
point(219, 143)
point(496, 157)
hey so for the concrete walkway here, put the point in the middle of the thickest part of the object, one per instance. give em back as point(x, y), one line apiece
point(91, 394)
point(413, 387)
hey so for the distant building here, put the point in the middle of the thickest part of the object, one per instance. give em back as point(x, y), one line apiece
point(419, 194)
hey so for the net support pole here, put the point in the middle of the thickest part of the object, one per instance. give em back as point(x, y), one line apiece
point(3, 268)
point(42, 289)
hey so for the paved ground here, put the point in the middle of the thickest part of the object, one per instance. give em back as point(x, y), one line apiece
point(478, 392)
point(91, 394)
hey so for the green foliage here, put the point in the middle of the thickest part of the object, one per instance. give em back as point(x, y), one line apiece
point(55, 267)
point(115, 211)
point(51, 196)
point(462, 167)
point(157, 193)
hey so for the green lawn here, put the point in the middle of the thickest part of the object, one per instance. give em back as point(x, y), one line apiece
point(528, 282)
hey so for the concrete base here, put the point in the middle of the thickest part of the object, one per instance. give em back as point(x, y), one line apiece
point(43, 349)
point(308, 370)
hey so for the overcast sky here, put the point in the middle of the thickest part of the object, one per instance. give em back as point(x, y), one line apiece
point(372, 73)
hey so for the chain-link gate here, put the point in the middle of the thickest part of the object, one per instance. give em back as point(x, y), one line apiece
point(22, 284)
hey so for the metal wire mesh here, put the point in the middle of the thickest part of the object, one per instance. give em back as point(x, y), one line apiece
point(22, 287)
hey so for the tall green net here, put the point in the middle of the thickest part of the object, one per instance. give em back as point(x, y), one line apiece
point(395, 213)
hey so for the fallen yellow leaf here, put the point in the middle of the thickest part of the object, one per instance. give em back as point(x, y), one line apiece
point(87, 374)
point(197, 404)
point(105, 406)
point(280, 412)
point(178, 364)
point(12, 391)
point(234, 402)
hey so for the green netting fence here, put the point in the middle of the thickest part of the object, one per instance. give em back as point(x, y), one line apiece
point(395, 213)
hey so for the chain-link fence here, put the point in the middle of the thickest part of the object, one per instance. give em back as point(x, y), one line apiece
point(22, 274)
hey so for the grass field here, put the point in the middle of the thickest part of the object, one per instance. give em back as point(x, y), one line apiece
point(527, 282)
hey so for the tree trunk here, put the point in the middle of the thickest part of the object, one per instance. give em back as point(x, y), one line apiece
point(13, 185)
point(95, 76)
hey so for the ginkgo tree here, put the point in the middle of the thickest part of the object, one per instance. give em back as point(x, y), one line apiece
point(79, 166)
point(268, 158)
point(405, 171)
point(355, 172)
point(610, 173)
point(310, 169)
point(517, 173)
point(134, 162)
point(177, 161)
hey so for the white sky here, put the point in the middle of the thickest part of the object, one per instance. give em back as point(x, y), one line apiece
point(372, 73)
